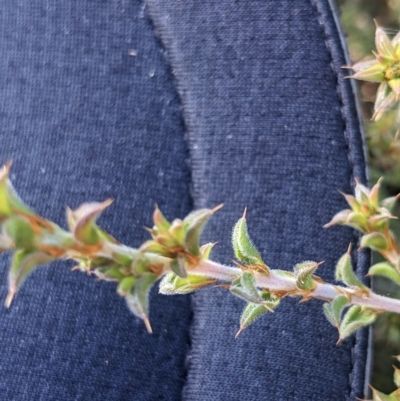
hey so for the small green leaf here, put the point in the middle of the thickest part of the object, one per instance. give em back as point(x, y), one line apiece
point(381, 95)
point(389, 203)
point(194, 224)
point(304, 274)
point(9, 200)
point(353, 202)
point(20, 232)
point(109, 273)
point(385, 269)
point(375, 190)
point(355, 318)
point(125, 286)
point(383, 44)
point(244, 287)
point(243, 247)
point(345, 273)
point(138, 299)
point(178, 266)
point(333, 310)
point(23, 263)
point(82, 222)
point(122, 258)
point(177, 231)
point(361, 192)
point(206, 249)
point(269, 300)
point(250, 314)
point(154, 247)
point(378, 222)
point(357, 221)
point(371, 74)
point(160, 221)
point(173, 284)
point(375, 241)
point(339, 218)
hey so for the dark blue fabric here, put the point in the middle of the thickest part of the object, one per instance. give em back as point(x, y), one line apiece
point(85, 119)
point(249, 108)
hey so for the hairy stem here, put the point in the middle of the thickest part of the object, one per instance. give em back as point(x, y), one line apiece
point(276, 282)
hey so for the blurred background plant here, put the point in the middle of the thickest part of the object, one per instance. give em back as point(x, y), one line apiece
point(384, 158)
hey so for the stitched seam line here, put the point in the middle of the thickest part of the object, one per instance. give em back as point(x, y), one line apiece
point(159, 35)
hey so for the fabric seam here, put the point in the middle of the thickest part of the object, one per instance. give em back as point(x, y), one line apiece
point(356, 237)
point(165, 53)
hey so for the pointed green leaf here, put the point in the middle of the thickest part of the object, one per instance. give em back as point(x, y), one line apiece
point(381, 94)
point(304, 274)
point(353, 202)
point(385, 269)
point(333, 310)
point(9, 200)
point(16, 204)
point(194, 224)
point(178, 266)
point(383, 43)
point(122, 258)
point(243, 247)
point(361, 192)
point(395, 85)
point(250, 313)
point(138, 299)
point(125, 286)
point(177, 231)
point(383, 106)
point(23, 263)
point(339, 218)
point(160, 221)
point(5, 208)
point(363, 65)
point(354, 319)
point(173, 284)
point(269, 300)
point(84, 222)
point(389, 203)
point(329, 314)
point(244, 287)
point(20, 232)
point(154, 247)
point(345, 273)
point(206, 249)
point(373, 73)
point(109, 273)
point(378, 223)
point(375, 241)
point(357, 221)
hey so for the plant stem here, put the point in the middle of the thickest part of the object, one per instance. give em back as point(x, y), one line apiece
point(276, 282)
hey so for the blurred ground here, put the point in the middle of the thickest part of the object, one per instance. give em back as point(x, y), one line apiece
point(384, 158)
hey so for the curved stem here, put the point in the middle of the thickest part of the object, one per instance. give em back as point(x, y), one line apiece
point(277, 282)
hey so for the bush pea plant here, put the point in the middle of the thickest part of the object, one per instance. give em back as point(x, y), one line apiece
point(175, 255)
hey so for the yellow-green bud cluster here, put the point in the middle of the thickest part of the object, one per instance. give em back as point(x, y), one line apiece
point(384, 69)
point(371, 216)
